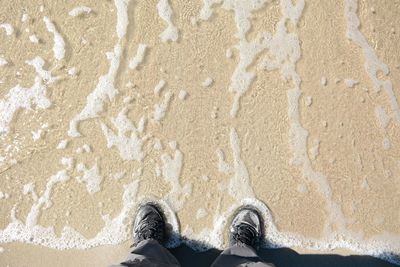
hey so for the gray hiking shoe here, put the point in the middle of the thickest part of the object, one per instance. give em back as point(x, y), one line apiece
point(149, 224)
point(246, 227)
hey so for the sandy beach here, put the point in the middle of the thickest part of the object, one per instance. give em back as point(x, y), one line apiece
point(292, 106)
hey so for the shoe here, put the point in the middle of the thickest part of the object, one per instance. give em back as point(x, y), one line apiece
point(149, 224)
point(246, 227)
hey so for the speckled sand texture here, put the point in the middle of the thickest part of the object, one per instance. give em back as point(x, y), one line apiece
point(292, 106)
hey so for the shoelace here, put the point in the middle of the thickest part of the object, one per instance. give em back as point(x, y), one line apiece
point(149, 229)
point(245, 234)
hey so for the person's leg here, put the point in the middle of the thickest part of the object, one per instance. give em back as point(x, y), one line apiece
point(149, 236)
point(245, 235)
point(150, 253)
point(240, 254)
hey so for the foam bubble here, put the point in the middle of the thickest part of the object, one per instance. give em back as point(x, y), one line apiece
point(122, 17)
point(34, 39)
point(248, 50)
point(44, 200)
point(72, 71)
point(159, 87)
point(207, 82)
point(161, 109)
point(37, 135)
point(68, 162)
point(372, 63)
point(115, 230)
point(80, 10)
point(171, 170)
point(63, 144)
point(239, 184)
point(134, 62)
point(314, 150)
point(59, 44)
point(119, 175)
point(38, 64)
point(8, 28)
point(324, 81)
point(350, 83)
point(18, 98)
point(90, 177)
point(24, 17)
point(165, 12)
point(182, 94)
point(386, 144)
point(3, 61)
point(129, 146)
point(104, 89)
point(105, 86)
point(201, 213)
point(381, 117)
point(206, 10)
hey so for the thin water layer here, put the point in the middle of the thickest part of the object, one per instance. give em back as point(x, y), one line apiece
point(204, 106)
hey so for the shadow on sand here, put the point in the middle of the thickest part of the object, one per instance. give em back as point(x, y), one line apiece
point(281, 257)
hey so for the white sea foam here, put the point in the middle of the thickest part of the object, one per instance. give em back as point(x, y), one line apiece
point(34, 39)
point(80, 10)
point(29, 188)
point(38, 64)
point(159, 87)
point(314, 150)
point(119, 175)
point(379, 245)
point(104, 89)
point(122, 17)
point(284, 52)
point(309, 101)
point(24, 17)
point(324, 81)
point(59, 43)
point(248, 50)
point(350, 83)
point(3, 61)
point(83, 149)
point(68, 162)
point(207, 82)
point(63, 144)
point(386, 144)
point(36, 135)
point(138, 58)
point(43, 202)
point(165, 12)
point(4, 195)
point(91, 177)
point(22, 98)
point(382, 117)
point(129, 146)
point(182, 94)
point(105, 86)
point(161, 109)
point(171, 170)
point(206, 10)
point(239, 184)
point(73, 71)
point(372, 63)
point(201, 213)
point(8, 28)
point(115, 230)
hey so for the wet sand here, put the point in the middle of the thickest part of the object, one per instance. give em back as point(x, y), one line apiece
point(259, 103)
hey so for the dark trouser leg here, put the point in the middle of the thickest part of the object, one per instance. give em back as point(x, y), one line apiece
point(150, 253)
point(237, 255)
